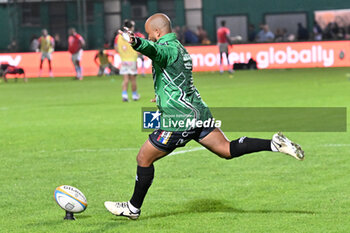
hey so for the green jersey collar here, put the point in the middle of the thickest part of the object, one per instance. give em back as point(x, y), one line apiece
point(167, 37)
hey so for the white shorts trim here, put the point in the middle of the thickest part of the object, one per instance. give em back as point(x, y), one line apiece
point(46, 55)
point(128, 67)
point(223, 47)
point(77, 56)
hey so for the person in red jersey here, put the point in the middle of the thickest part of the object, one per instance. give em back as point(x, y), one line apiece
point(75, 46)
point(223, 38)
point(140, 35)
point(6, 68)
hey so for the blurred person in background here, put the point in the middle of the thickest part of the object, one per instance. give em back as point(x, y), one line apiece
point(223, 38)
point(58, 43)
point(13, 46)
point(265, 35)
point(317, 31)
point(140, 35)
point(46, 46)
point(190, 36)
point(327, 32)
point(103, 62)
point(251, 33)
point(34, 44)
point(128, 66)
point(106, 44)
point(347, 33)
point(338, 31)
point(6, 68)
point(202, 35)
point(303, 33)
point(179, 34)
point(281, 35)
point(75, 46)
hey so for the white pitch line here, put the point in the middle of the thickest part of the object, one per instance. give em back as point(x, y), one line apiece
point(91, 150)
point(117, 150)
point(186, 151)
point(336, 145)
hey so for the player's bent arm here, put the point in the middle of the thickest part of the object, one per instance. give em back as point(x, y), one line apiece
point(228, 39)
point(96, 60)
point(112, 58)
point(82, 42)
point(162, 54)
point(52, 42)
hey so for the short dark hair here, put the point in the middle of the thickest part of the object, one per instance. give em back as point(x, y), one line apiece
point(129, 23)
point(223, 23)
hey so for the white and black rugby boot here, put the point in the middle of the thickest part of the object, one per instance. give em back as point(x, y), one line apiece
point(121, 209)
point(286, 146)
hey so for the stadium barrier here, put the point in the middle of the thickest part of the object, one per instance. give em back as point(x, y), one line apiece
point(206, 58)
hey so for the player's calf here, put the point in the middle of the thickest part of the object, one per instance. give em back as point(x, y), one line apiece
point(245, 145)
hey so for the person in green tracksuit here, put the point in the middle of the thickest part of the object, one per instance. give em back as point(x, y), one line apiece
point(180, 105)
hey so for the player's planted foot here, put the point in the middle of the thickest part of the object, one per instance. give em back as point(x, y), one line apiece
point(125, 97)
point(135, 97)
point(121, 209)
point(286, 146)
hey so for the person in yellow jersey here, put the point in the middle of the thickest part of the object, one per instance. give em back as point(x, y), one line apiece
point(103, 62)
point(46, 46)
point(129, 63)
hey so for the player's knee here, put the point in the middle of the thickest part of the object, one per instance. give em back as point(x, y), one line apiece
point(143, 160)
point(238, 148)
point(139, 159)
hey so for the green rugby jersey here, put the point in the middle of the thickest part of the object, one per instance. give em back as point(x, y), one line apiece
point(178, 100)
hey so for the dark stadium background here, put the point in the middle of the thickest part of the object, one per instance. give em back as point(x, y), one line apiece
point(98, 20)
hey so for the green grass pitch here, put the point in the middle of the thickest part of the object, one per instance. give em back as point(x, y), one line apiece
point(59, 131)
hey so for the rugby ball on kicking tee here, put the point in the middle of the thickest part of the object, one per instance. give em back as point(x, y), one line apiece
point(70, 199)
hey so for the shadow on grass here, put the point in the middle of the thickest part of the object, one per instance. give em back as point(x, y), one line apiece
point(78, 216)
point(217, 206)
point(58, 221)
point(196, 206)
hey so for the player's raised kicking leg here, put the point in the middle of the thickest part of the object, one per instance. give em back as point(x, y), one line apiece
point(220, 145)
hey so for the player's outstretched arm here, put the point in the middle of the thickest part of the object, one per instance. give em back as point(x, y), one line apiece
point(162, 54)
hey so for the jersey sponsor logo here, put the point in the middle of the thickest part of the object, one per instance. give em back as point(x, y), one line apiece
point(151, 119)
point(164, 137)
